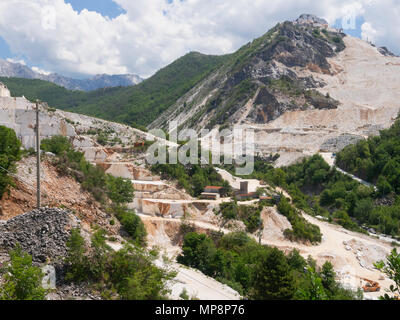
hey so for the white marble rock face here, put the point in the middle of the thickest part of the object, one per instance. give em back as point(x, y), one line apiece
point(19, 114)
point(4, 92)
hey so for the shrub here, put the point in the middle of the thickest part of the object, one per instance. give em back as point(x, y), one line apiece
point(228, 210)
point(134, 226)
point(197, 251)
point(21, 280)
point(56, 144)
point(76, 260)
point(10, 153)
point(119, 190)
point(301, 229)
point(129, 272)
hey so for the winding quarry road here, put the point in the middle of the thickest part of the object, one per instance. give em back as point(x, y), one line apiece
point(330, 159)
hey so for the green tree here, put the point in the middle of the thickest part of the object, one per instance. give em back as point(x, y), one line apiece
point(77, 261)
point(56, 144)
point(134, 226)
point(363, 209)
point(135, 277)
point(273, 279)
point(384, 186)
point(99, 255)
point(21, 280)
point(328, 277)
point(229, 210)
point(392, 269)
point(296, 261)
point(315, 289)
point(197, 251)
point(119, 190)
point(10, 152)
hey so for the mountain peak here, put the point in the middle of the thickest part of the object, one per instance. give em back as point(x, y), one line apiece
point(307, 18)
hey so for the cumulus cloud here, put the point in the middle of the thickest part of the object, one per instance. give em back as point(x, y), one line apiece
point(153, 33)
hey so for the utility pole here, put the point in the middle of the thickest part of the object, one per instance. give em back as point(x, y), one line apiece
point(37, 155)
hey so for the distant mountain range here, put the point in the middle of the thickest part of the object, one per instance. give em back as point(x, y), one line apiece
point(137, 105)
point(18, 70)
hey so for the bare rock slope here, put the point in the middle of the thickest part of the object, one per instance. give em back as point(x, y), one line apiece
point(302, 87)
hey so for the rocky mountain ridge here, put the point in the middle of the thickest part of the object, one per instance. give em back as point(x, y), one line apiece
point(264, 66)
point(18, 70)
point(301, 87)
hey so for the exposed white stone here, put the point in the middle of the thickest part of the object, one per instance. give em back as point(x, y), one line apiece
point(19, 114)
point(4, 92)
point(49, 279)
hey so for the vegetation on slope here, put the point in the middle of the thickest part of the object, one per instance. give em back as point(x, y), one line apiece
point(137, 105)
point(114, 193)
point(19, 279)
point(320, 190)
point(376, 160)
point(260, 272)
point(250, 215)
point(127, 274)
point(301, 229)
point(193, 178)
point(10, 153)
point(391, 267)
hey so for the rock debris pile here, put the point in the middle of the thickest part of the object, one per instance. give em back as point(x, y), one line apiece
point(42, 233)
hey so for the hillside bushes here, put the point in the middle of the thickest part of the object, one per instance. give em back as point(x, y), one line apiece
point(375, 160)
point(259, 272)
point(20, 279)
point(92, 179)
point(104, 187)
point(10, 153)
point(250, 215)
point(193, 178)
point(127, 274)
point(321, 190)
point(301, 229)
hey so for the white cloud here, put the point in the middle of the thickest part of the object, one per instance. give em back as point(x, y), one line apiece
point(153, 33)
point(41, 71)
point(16, 61)
point(368, 33)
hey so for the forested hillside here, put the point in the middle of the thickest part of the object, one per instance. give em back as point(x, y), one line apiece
point(138, 105)
point(320, 190)
point(376, 160)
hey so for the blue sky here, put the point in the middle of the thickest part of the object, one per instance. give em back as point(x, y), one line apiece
point(4, 49)
point(142, 36)
point(352, 32)
point(105, 7)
